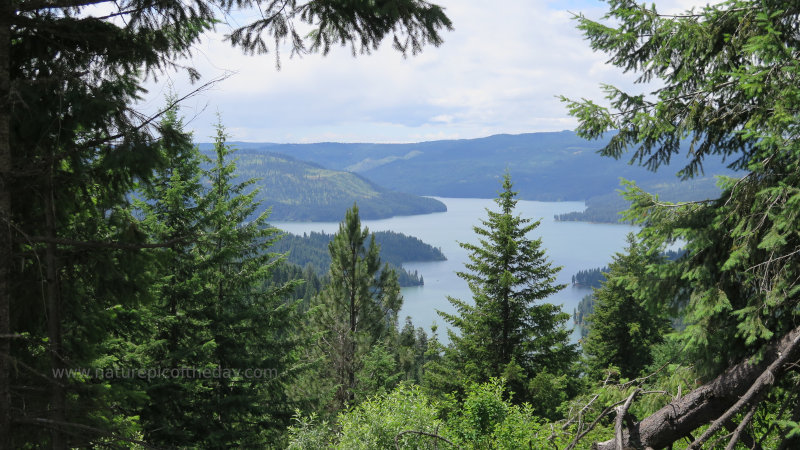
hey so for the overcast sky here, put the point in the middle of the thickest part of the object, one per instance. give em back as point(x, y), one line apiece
point(499, 71)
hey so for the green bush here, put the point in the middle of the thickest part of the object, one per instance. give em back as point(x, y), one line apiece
point(375, 423)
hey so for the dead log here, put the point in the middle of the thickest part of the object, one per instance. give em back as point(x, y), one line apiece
point(710, 401)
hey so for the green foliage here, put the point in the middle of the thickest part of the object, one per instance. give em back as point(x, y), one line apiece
point(218, 307)
point(729, 92)
point(173, 208)
point(726, 82)
point(509, 324)
point(375, 423)
point(396, 249)
point(412, 351)
point(356, 309)
point(486, 419)
point(307, 433)
point(378, 373)
point(302, 191)
point(622, 330)
point(250, 328)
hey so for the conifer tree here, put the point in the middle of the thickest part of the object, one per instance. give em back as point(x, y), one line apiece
point(216, 308)
point(173, 206)
point(623, 330)
point(250, 327)
point(509, 327)
point(71, 144)
point(357, 308)
point(726, 87)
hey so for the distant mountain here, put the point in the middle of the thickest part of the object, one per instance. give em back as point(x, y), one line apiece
point(544, 166)
point(297, 190)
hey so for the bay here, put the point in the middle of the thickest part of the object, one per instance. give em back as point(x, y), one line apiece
point(572, 245)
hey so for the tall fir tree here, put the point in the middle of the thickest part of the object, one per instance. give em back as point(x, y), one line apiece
point(173, 209)
point(250, 327)
point(508, 329)
point(357, 308)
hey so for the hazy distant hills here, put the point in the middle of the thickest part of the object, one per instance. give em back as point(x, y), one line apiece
point(298, 190)
point(544, 166)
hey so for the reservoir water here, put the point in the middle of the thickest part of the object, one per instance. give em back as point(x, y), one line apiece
point(572, 245)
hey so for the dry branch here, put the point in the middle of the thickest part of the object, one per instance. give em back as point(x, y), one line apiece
point(621, 412)
point(712, 402)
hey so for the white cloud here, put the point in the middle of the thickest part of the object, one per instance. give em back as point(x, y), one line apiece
point(498, 72)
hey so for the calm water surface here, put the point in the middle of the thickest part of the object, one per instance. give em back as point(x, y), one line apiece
point(573, 245)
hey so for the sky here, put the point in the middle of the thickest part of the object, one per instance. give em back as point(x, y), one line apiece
point(500, 70)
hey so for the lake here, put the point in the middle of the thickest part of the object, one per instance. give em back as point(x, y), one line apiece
point(573, 245)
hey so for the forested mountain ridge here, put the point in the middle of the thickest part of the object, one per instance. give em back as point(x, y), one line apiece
point(546, 166)
point(298, 190)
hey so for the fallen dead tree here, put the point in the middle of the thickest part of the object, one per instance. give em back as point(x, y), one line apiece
point(716, 402)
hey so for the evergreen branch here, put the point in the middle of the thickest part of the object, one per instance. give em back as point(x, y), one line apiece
point(147, 120)
point(688, 15)
point(59, 425)
point(98, 244)
point(36, 5)
point(792, 395)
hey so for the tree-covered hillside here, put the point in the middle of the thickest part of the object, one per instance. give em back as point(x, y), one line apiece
point(608, 208)
point(297, 190)
point(550, 166)
point(396, 248)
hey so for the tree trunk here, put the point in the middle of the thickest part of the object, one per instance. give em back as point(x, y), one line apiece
point(351, 366)
point(57, 399)
point(710, 401)
point(5, 224)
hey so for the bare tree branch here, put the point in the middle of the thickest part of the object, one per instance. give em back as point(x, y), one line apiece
point(622, 411)
point(715, 401)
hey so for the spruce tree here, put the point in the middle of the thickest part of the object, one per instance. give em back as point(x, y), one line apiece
point(725, 86)
point(508, 327)
point(731, 94)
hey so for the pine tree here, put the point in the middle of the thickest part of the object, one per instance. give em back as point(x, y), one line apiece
point(509, 326)
point(357, 308)
point(623, 331)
